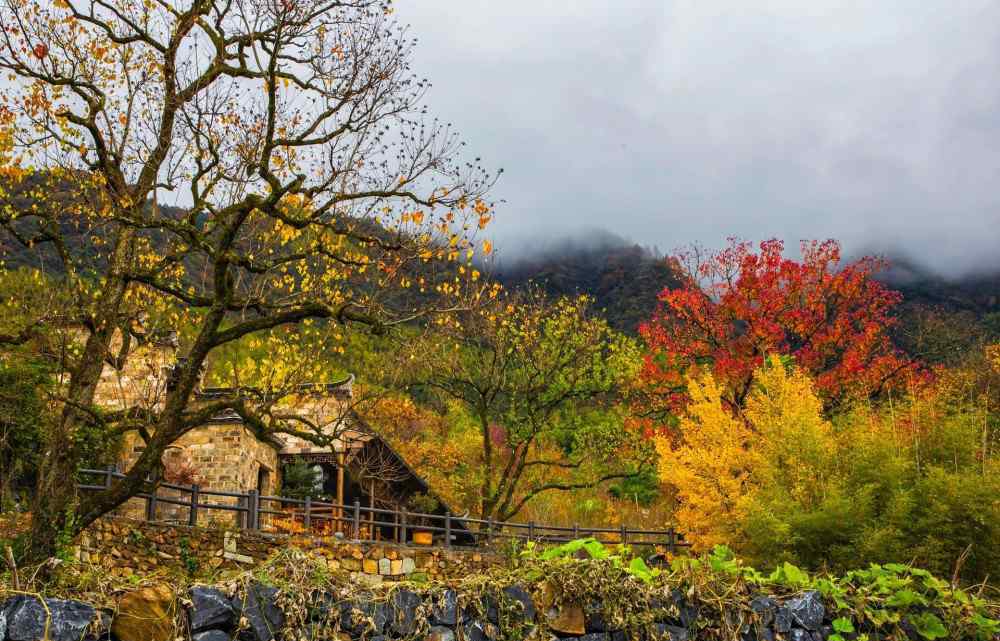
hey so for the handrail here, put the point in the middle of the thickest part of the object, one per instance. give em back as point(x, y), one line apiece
point(357, 520)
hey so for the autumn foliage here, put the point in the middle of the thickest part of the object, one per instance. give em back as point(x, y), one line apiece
point(740, 305)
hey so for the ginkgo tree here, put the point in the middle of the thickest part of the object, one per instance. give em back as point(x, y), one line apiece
point(313, 192)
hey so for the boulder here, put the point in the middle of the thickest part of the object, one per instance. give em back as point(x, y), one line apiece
point(440, 633)
point(260, 609)
point(210, 609)
point(798, 634)
point(403, 619)
point(211, 635)
point(445, 609)
point(764, 608)
point(146, 615)
point(517, 594)
point(27, 619)
point(596, 636)
point(807, 610)
point(567, 620)
point(667, 632)
point(782, 620)
point(595, 618)
point(476, 630)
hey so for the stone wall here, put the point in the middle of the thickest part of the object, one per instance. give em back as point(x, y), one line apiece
point(132, 547)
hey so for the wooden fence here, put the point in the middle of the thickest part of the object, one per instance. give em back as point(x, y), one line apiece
point(253, 511)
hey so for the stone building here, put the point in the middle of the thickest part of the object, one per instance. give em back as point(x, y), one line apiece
point(225, 455)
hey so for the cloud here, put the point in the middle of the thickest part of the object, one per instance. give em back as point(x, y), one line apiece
point(673, 122)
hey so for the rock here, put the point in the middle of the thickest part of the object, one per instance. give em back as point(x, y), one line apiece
point(440, 633)
point(211, 635)
point(363, 616)
point(25, 619)
point(259, 608)
point(764, 608)
point(567, 620)
point(596, 636)
point(687, 612)
point(476, 630)
point(782, 620)
point(409, 565)
point(798, 634)
point(370, 566)
point(445, 609)
point(519, 595)
point(146, 615)
point(667, 632)
point(384, 567)
point(403, 619)
point(807, 610)
point(595, 618)
point(210, 608)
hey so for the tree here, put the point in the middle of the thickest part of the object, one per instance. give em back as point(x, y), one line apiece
point(738, 306)
point(317, 195)
point(544, 382)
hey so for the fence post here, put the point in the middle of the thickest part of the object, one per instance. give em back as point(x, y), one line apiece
point(307, 517)
point(670, 540)
point(624, 534)
point(447, 529)
point(193, 512)
point(151, 500)
point(531, 530)
point(356, 520)
point(576, 530)
point(243, 515)
point(253, 510)
point(402, 515)
point(489, 530)
point(109, 475)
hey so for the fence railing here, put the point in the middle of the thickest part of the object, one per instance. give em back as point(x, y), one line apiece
point(253, 511)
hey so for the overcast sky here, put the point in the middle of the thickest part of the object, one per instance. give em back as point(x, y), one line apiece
point(877, 123)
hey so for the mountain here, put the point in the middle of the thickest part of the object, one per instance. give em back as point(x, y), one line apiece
point(623, 278)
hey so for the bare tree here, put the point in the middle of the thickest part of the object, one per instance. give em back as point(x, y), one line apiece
point(315, 193)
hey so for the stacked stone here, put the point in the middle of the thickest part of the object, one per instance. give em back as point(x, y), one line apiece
point(152, 614)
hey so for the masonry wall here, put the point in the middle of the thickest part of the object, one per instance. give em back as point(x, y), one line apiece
point(126, 547)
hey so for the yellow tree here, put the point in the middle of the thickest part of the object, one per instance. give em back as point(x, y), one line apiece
point(709, 466)
point(313, 190)
point(721, 462)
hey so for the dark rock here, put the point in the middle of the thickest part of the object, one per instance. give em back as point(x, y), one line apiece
point(595, 619)
point(596, 636)
point(261, 610)
point(403, 613)
point(26, 619)
point(798, 634)
point(782, 620)
point(364, 616)
point(764, 608)
point(476, 630)
point(210, 608)
point(440, 633)
point(687, 612)
point(807, 610)
point(445, 609)
point(519, 595)
point(666, 632)
point(619, 635)
point(756, 632)
point(211, 635)
point(491, 606)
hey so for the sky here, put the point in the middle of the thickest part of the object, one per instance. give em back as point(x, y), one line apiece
point(672, 122)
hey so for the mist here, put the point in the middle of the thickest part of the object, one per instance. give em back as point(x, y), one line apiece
point(676, 122)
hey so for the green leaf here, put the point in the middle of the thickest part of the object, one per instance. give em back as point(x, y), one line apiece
point(638, 568)
point(929, 625)
point(905, 598)
point(843, 624)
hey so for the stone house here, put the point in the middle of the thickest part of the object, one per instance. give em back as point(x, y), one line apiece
point(224, 455)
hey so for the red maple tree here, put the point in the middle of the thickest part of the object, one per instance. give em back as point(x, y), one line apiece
point(739, 305)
